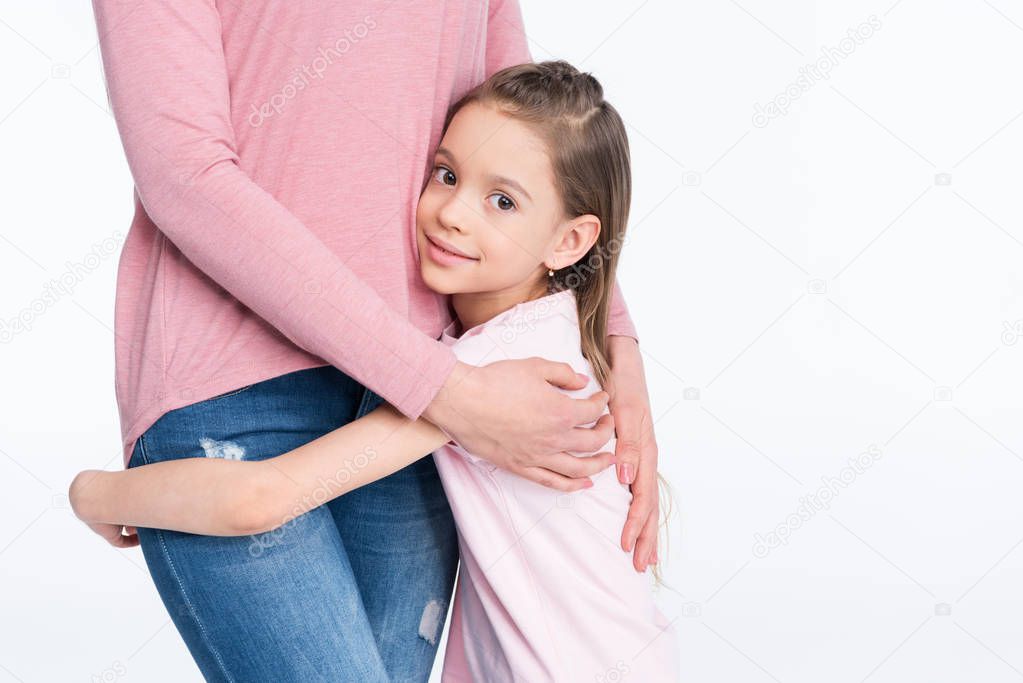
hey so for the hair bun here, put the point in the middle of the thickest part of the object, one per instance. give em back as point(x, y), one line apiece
point(560, 71)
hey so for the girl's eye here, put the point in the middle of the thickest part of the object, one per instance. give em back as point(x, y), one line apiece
point(504, 202)
point(444, 175)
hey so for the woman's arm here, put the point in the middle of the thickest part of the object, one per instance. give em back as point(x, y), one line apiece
point(168, 87)
point(220, 497)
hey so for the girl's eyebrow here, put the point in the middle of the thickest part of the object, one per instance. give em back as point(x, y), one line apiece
point(501, 180)
point(496, 179)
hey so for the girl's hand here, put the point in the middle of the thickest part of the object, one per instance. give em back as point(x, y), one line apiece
point(111, 533)
point(78, 495)
point(635, 448)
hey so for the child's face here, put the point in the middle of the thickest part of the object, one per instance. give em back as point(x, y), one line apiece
point(491, 196)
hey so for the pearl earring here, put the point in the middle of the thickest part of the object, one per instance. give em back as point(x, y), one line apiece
point(550, 273)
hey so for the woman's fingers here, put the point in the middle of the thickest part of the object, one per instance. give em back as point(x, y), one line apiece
point(562, 375)
point(566, 472)
point(577, 467)
point(588, 439)
point(553, 480)
point(584, 410)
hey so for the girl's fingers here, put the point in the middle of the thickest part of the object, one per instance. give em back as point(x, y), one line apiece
point(129, 541)
point(120, 541)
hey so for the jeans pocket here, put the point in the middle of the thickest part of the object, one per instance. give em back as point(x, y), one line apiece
point(370, 402)
point(138, 454)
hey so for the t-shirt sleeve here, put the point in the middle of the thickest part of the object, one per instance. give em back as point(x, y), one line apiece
point(168, 88)
point(618, 320)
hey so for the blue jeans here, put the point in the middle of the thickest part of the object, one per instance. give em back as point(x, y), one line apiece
point(354, 590)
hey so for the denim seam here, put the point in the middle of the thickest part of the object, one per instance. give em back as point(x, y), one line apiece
point(367, 396)
point(181, 585)
point(142, 449)
point(229, 393)
point(191, 610)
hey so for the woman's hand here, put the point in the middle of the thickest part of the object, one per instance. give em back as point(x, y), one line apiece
point(509, 413)
point(636, 448)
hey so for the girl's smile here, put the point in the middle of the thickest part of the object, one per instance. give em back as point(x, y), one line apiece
point(446, 254)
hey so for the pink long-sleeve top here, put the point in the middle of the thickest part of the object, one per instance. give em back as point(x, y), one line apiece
point(278, 150)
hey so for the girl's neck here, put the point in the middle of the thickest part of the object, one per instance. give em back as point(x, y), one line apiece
point(476, 308)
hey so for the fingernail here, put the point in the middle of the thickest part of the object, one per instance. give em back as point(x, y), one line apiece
point(627, 473)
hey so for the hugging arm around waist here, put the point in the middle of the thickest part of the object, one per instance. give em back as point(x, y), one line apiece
point(219, 497)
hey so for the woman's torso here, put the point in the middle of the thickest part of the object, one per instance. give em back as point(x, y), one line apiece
point(335, 108)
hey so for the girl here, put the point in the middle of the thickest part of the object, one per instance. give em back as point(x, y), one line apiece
point(521, 222)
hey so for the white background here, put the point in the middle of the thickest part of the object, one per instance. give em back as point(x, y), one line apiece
point(844, 280)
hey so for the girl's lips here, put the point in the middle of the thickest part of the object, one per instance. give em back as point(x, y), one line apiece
point(443, 256)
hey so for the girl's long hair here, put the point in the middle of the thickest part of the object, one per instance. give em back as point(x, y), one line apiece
point(589, 152)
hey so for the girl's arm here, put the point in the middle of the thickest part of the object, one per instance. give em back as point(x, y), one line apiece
point(219, 497)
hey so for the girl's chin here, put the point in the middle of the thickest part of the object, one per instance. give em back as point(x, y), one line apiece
point(438, 285)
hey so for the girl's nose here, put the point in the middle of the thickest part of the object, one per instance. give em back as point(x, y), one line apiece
point(454, 213)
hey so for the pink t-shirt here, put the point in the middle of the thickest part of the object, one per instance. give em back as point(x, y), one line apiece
point(545, 592)
point(278, 150)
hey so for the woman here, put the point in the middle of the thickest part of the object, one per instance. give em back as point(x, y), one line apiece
point(268, 294)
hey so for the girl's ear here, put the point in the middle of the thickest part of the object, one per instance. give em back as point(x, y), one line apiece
point(577, 237)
